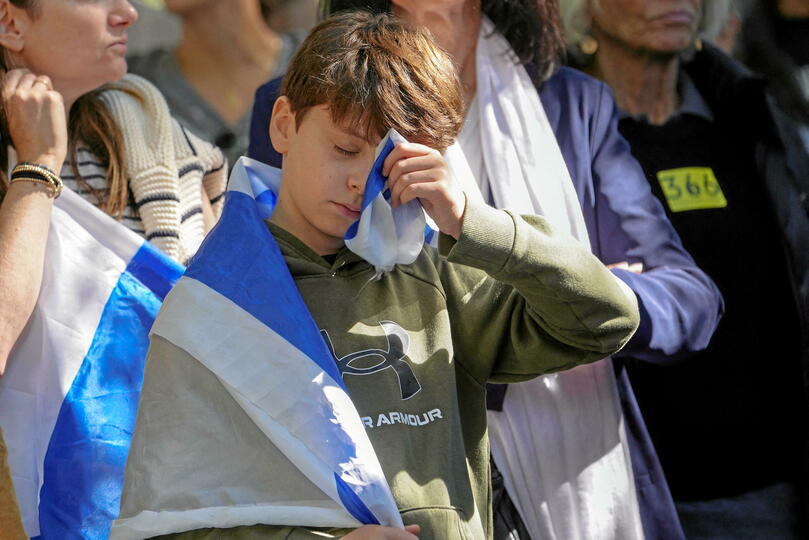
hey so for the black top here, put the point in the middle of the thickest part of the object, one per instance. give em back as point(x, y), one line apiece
point(725, 421)
point(792, 36)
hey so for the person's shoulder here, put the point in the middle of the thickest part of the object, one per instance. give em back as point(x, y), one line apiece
point(567, 76)
point(136, 105)
point(574, 99)
point(189, 146)
point(148, 63)
point(579, 108)
point(574, 85)
point(270, 89)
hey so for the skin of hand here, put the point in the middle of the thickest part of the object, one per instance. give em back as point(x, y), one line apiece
point(417, 171)
point(635, 268)
point(36, 118)
point(37, 124)
point(376, 532)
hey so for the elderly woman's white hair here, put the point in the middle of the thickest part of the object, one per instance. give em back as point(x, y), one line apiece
point(575, 16)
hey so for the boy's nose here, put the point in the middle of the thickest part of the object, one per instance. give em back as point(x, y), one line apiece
point(356, 183)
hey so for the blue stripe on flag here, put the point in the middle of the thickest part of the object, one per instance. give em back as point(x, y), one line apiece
point(429, 234)
point(266, 202)
point(257, 260)
point(373, 186)
point(155, 270)
point(86, 456)
point(354, 504)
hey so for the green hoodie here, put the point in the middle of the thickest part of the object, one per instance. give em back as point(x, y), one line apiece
point(510, 300)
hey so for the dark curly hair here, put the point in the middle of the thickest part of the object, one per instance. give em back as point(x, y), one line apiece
point(532, 27)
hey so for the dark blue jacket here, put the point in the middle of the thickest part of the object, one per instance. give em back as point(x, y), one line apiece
point(680, 306)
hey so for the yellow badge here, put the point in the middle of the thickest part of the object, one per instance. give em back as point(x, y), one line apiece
point(691, 188)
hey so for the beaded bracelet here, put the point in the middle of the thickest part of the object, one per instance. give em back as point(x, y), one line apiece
point(34, 172)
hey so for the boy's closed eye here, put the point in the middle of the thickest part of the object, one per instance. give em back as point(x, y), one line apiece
point(345, 151)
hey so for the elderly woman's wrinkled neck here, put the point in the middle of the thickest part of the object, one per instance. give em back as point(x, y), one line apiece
point(640, 46)
point(643, 85)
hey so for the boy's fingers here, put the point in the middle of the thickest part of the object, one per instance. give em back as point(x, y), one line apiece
point(418, 190)
point(405, 150)
point(411, 164)
point(407, 534)
point(405, 181)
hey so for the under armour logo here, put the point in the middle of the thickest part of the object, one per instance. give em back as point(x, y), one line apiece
point(394, 358)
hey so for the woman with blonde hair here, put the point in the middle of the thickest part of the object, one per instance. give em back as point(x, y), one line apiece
point(72, 121)
point(110, 139)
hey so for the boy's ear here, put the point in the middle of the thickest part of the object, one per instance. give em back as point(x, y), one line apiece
point(282, 124)
point(13, 21)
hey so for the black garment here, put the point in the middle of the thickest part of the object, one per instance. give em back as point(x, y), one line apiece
point(507, 523)
point(743, 392)
point(792, 36)
point(776, 48)
point(733, 418)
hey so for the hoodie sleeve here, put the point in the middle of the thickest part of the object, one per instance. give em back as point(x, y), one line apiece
point(524, 299)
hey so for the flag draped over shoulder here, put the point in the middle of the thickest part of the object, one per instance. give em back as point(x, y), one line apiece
point(69, 397)
point(244, 417)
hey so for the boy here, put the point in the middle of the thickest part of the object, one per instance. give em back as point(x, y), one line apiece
point(505, 298)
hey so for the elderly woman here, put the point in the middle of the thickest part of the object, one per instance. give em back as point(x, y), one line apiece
point(729, 426)
point(540, 139)
point(71, 123)
point(226, 51)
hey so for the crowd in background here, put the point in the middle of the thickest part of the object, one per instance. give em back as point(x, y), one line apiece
point(690, 164)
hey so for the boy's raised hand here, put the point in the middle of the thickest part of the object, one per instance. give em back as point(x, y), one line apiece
point(417, 171)
point(376, 532)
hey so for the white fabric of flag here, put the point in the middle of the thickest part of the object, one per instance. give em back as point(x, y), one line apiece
point(239, 335)
point(69, 397)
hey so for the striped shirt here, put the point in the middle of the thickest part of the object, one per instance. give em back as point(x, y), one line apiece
point(93, 185)
point(94, 175)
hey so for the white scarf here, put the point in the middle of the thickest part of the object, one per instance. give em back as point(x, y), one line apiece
point(560, 440)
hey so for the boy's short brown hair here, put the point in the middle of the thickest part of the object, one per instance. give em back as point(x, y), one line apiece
point(376, 70)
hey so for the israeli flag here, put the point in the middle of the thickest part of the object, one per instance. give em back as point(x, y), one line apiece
point(244, 416)
point(69, 397)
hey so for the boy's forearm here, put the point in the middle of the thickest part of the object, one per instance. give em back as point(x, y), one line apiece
point(569, 292)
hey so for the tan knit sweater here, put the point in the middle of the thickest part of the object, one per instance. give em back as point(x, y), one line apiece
point(166, 167)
